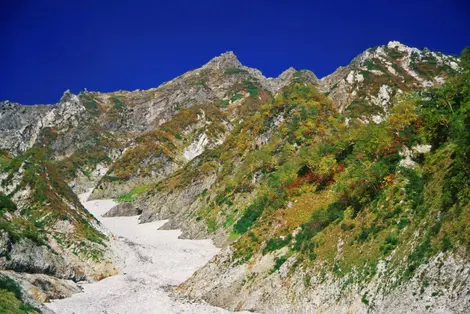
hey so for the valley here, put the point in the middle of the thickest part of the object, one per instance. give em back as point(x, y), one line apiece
point(151, 261)
point(224, 190)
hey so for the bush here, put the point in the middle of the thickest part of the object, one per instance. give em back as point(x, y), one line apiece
point(389, 244)
point(6, 203)
point(279, 261)
point(276, 244)
point(250, 215)
point(10, 285)
point(236, 97)
point(11, 300)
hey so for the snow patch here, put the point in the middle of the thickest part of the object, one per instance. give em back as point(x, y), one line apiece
point(150, 260)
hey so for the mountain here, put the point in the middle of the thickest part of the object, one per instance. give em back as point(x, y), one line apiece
point(348, 193)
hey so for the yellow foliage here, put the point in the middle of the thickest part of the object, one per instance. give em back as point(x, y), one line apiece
point(402, 115)
point(303, 207)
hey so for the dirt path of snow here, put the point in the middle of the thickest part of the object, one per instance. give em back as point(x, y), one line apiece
point(150, 260)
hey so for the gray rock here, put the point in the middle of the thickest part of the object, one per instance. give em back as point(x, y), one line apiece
point(123, 209)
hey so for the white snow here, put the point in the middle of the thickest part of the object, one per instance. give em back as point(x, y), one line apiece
point(150, 261)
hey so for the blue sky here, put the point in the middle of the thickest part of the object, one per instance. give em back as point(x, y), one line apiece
point(49, 46)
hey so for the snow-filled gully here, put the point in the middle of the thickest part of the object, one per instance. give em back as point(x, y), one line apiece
point(149, 260)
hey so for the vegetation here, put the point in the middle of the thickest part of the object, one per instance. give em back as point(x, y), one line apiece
point(11, 298)
point(331, 181)
point(6, 204)
point(234, 71)
point(292, 179)
point(136, 191)
point(51, 200)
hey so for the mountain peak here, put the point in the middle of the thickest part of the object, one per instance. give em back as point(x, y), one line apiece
point(226, 60)
point(287, 73)
point(397, 45)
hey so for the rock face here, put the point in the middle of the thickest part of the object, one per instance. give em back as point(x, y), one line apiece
point(223, 284)
point(365, 88)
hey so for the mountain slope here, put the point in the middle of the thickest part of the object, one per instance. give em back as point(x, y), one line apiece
point(338, 194)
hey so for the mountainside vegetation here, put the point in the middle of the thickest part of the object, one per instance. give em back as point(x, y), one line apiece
point(359, 181)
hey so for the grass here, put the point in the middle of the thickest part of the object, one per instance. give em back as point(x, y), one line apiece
point(136, 191)
point(278, 263)
point(234, 71)
point(11, 298)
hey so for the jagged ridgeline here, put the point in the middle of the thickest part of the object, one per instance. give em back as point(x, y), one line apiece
point(349, 193)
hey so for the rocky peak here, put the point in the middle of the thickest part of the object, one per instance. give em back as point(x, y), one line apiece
point(6, 104)
point(397, 45)
point(67, 96)
point(227, 60)
point(288, 76)
point(375, 76)
point(287, 73)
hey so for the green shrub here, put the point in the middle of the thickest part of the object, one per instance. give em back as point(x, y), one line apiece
point(118, 103)
point(236, 97)
point(11, 298)
point(251, 88)
point(10, 285)
point(364, 299)
point(6, 203)
point(389, 244)
point(250, 215)
point(234, 71)
point(277, 243)
point(224, 103)
point(278, 263)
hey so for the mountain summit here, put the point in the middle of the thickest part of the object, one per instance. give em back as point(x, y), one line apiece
point(227, 60)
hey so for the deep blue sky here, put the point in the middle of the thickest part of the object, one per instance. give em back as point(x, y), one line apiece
point(49, 46)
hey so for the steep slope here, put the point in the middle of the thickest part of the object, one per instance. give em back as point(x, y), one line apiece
point(328, 213)
point(359, 218)
point(45, 233)
point(207, 102)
